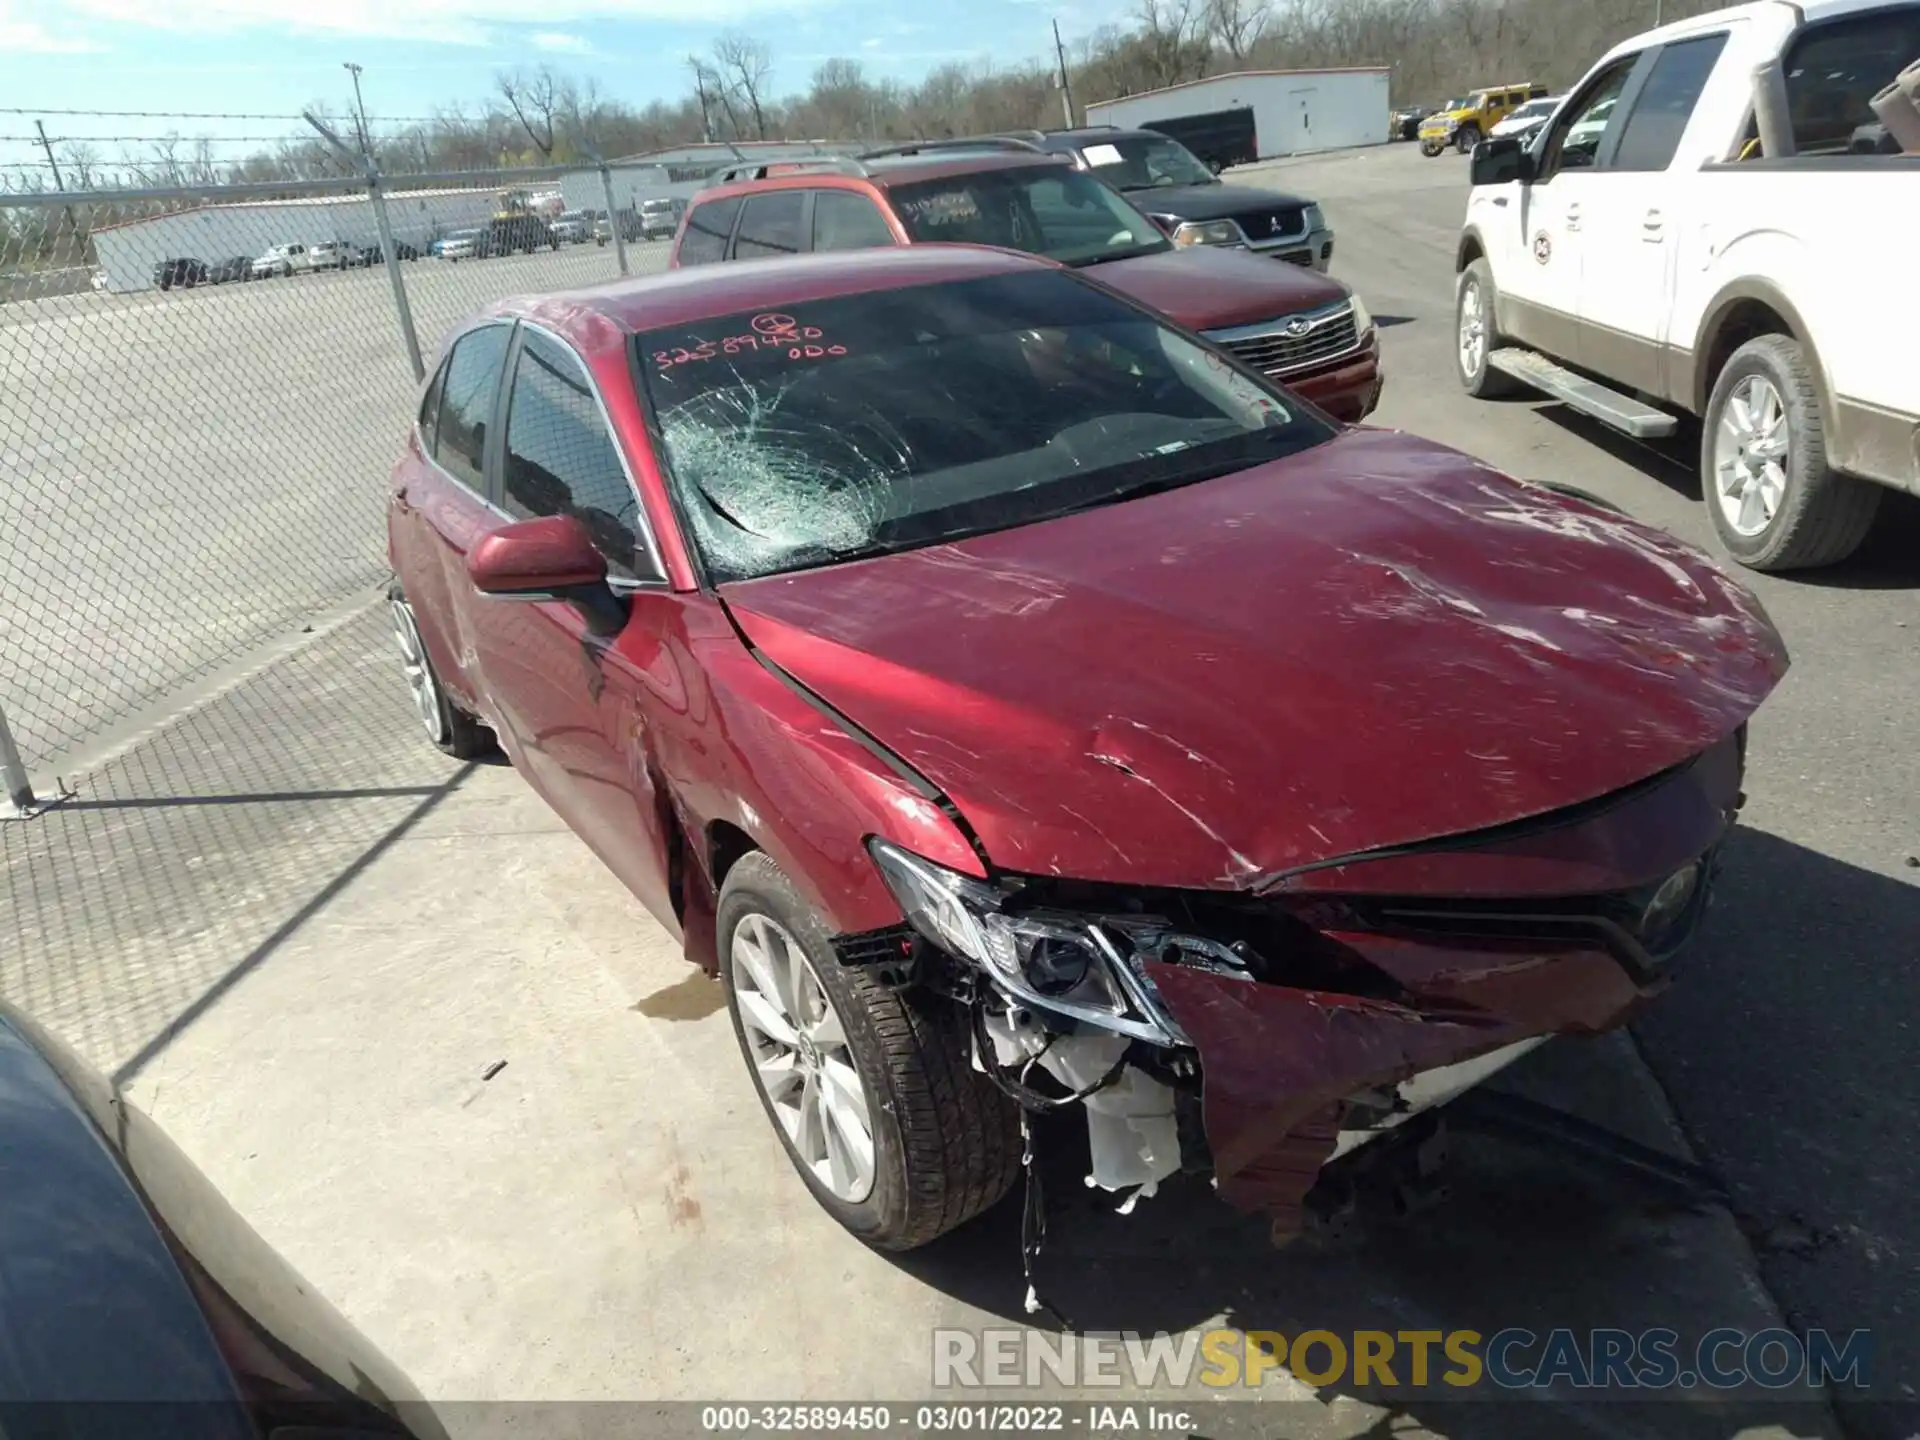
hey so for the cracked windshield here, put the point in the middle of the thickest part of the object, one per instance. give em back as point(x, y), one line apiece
point(880, 422)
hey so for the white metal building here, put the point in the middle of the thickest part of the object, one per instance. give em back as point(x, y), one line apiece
point(1256, 114)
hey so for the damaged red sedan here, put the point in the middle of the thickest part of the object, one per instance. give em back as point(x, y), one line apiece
point(1016, 701)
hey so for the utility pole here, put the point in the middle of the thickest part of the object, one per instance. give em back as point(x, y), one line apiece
point(700, 84)
point(73, 225)
point(1066, 86)
point(359, 108)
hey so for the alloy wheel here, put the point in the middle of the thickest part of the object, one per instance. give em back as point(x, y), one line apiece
point(1473, 329)
point(801, 1059)
point(1751, 446)
point(413, 661)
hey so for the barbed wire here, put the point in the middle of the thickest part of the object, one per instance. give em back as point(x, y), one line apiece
point(295, 118)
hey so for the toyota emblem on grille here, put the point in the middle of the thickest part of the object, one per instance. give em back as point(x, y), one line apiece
point(1297, 327)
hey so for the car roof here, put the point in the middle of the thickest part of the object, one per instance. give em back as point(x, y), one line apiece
point(883, 171)
point(1097, 134)
point(701, 292)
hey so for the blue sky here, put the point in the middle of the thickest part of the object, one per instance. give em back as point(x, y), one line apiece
point(420, 55)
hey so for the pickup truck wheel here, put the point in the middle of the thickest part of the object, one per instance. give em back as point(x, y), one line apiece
point(1475, 335)
point(870, 1089)
point(1776, 502)
point(1466, 137)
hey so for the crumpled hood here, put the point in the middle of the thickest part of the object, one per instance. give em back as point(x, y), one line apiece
point(1207, 287)
point(1374, 642)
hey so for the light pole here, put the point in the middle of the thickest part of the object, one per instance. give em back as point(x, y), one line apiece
point(359, 108)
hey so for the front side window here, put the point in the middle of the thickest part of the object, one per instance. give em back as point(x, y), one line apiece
point(1834, 69)
point(1659, 119)
point(1048, 210)
point(894, 419)
point(1145, 162)
point(1577, 136)
point(561, 458)
point(466, 403)
point(709, 227)
point(770, 225)
point(430, 409)
point(843, 220)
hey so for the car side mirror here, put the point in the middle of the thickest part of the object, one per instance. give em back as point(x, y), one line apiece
point(551, 557)
point(1496, 162)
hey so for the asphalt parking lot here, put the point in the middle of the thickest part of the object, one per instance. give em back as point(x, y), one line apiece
point(301, 937)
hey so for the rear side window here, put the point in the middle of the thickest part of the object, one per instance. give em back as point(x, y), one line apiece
point(843, 220)
point(1666, 103)
point(708, 227)
point(466, 404)
point(1834, 69)
point(561, 458)
point(771, 225)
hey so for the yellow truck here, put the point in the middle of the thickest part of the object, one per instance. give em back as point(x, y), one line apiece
point(1464, 123)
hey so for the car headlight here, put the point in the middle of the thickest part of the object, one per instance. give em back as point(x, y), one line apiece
point(1669, 906)
point(1208, 232)
point(1362, 318)
point(1052, 960)
point(1315, 220)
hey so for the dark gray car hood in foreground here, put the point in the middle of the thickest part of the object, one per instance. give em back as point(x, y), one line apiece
point(1210, 202)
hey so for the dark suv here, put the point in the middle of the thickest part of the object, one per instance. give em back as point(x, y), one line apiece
point(1165, 179)
point(508, 233)
point(1306, 330)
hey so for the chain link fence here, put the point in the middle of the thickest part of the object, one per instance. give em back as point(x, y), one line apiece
point(194, 443)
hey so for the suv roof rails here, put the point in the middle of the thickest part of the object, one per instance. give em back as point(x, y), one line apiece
point(1076, 129)
point(974, 142)
point(760, 169)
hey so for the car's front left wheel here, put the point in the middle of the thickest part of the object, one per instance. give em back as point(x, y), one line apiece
point(449, 727)
point(870, 1089)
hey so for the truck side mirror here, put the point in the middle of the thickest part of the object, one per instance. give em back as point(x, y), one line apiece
point(1496, 162)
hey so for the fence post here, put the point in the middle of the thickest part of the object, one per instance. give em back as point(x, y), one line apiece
point(13, 774)
point(385, 227)
point(391, 255)
point(613, 220)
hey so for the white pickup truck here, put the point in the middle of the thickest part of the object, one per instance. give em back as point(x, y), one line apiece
point(1694, 232)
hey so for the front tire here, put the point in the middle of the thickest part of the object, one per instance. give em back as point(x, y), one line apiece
point(1776, 502)
point(1475, 334)
point(1431, 148)
point(449, 728)
point(870, 1089)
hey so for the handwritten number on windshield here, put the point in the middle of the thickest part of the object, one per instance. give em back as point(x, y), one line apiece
point(770, 331)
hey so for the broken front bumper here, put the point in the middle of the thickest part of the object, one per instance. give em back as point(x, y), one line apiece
point(1326, 1007)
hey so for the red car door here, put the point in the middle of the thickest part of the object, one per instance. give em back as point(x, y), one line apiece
point(441, 506)
point(575, 708)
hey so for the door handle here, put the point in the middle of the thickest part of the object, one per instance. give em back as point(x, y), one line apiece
point(1653, 229)
point(1573, 217)
point(1501, 201)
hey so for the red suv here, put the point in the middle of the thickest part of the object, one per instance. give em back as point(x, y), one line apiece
point(1304, 329)
point(1017, 702)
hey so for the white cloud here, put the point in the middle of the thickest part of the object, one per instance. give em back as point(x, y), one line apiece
point(559, 42)
point(450, 22)
point(21, 36)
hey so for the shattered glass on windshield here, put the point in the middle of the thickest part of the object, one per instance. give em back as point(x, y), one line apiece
point(880, 422)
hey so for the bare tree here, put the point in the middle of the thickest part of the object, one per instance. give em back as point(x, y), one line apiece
point(1173, 37)
point(81, 163)
point(534, 99)
point(744, 64)
point(1236, 24)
